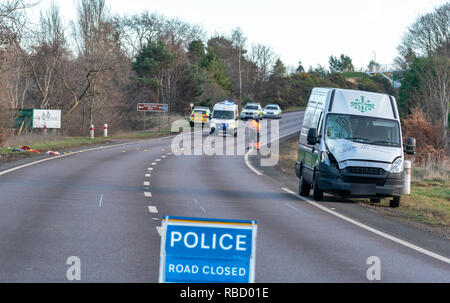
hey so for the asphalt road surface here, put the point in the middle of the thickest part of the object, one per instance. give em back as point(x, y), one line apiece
point(104, 206)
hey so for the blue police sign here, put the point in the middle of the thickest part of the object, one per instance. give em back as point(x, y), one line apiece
point(207, 250)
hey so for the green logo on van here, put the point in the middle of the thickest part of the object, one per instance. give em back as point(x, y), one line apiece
point(363, 105)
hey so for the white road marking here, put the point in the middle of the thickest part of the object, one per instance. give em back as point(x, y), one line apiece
point(150, 168)
point(100, 202)
point(203, 209)
point(146, 183)
point(158, 160)
point(148, 194)
point(4, 172)
point(371, 229)
point(247, 162)
point(153, 209)
point(154, 164)
point(250, 166)
point(159, 229)
point(148, 175)
point(163, 157)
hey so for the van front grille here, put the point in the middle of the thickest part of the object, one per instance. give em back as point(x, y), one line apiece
point(375, 171)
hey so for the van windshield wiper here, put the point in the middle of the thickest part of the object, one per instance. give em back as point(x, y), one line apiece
point(384, 142)
point(357, 139)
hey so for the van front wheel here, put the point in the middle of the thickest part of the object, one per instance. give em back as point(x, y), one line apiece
point(395, 202)
point(317, 193)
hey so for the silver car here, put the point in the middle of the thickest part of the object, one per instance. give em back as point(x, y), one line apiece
point(272, 111)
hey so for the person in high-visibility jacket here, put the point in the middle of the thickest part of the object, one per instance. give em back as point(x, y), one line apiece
point(255, 129)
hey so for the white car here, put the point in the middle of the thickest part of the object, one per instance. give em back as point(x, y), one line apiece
point(272, 111)
point(252, 111)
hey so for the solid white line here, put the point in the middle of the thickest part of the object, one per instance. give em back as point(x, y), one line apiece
point(153, 209)
point(250, 166)
point(4, 172)
point(247, 162)
point(148, 194)
point(159, 229)
point(371, 229)
point(146, 183)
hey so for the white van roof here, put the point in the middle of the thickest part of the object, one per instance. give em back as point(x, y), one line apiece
point(226, 105)
point(353, 102)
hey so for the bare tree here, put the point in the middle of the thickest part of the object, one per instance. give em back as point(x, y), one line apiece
point(429, 35)
point(239, 40)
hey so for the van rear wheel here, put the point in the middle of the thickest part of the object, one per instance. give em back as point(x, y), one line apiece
point(395, 202)
point(303, 187)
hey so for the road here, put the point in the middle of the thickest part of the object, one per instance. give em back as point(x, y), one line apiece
point(105, 206)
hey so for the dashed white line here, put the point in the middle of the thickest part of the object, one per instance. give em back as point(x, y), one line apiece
point(159, 229)
point(148, 194)
point(154, 164)
point(158, 160)
point(153, 209)
point(146, 183)
point(148, 175)
point(150, 168)
point(371, 229)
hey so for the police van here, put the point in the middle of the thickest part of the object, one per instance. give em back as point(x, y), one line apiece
point(225, 118)
point(351, 146)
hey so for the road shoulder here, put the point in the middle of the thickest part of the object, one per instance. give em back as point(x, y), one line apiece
point(378, 217)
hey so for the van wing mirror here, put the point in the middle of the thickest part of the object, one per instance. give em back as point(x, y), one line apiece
point(410, 148)
point(312, 136)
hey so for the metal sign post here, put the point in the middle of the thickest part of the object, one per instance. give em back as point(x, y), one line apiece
point(207, 251)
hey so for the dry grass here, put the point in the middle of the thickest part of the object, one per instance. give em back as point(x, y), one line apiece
point(288, 156)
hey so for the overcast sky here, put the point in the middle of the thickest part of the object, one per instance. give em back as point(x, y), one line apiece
point(310, 31)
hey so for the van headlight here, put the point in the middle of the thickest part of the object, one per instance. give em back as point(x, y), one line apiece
point(324, 158)
point(397, 167)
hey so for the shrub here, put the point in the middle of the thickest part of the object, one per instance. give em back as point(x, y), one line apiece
point(430, 148)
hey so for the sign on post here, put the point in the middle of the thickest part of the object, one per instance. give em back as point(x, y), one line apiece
point(207, 251)
point(153, 107)
point(46, 118)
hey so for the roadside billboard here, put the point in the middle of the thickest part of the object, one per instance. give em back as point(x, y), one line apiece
point(48, 118)
point(153, 107)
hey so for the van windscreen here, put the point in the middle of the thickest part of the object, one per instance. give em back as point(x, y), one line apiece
point(365, 130)
point(223, 114)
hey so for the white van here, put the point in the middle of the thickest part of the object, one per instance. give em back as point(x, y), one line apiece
point(225, 118)
point(351, 146)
